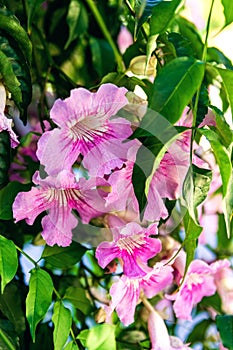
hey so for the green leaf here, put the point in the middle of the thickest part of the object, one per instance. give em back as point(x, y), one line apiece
point(222, 128)
point(5, 158)
point(217, 56)
point(227, 78)
point(77, 296)
point(71, 346)
point(143, 10)
point(8, 261)
point(223, 160)
point(102, 56)
point(162, 14)
point(156, 135)
point(192, 232)
point(39, 298)
point(198, 332)
point(195, 188)
point(22, 73)
point(62, 320)
point(11, 26)
point(33, 6)
point(175, 86)
point(77, 20)
point(228, 11)
point(11, 306)
point(181, 44)
point(101, 337)
point(190, 32)
point(10, 80)
point(222, 157)
point(7, 197)
point(83, 336)
point(225, 327)
point(63, 257)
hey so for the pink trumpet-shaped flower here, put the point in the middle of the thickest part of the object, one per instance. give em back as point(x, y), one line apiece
point(59, 195)
point(85, 123)
point(131, 243)
point(125, 293)
point(198, 282)
point(5, 123)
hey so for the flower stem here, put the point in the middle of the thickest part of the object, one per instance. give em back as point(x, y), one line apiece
point(26, 255)
point(146, 303)
point(106, 33)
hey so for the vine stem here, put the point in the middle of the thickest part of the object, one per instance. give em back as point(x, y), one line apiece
point(146, 303)
point(199, 90)
point(26, 255)
point(106, 33)
point(6, 341)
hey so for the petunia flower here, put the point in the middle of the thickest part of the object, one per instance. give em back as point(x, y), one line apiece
point(58, 196)
point(126, 291)
point(198, 282)
point(133, 244)
point(6, 123)
point(85, 123)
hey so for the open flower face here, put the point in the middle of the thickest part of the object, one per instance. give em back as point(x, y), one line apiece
point(125, 292)
point(59, 195)
point(198, 282)
point(133, 244)
point(85, 124)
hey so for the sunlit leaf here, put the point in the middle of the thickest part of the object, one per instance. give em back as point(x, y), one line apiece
point(71, 346)
point(228, 11)
point(62, 320)
point(38, 299)
point(101, 337)
point(8, 261)
point(175, 86)
point(225, 327)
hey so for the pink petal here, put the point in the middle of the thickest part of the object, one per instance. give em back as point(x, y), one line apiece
point(28, 205)
point(125, 295)
point(159, 278)
point(58, 225)
point(56, 152)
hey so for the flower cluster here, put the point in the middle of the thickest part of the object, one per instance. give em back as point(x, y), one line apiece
point(90, 134)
